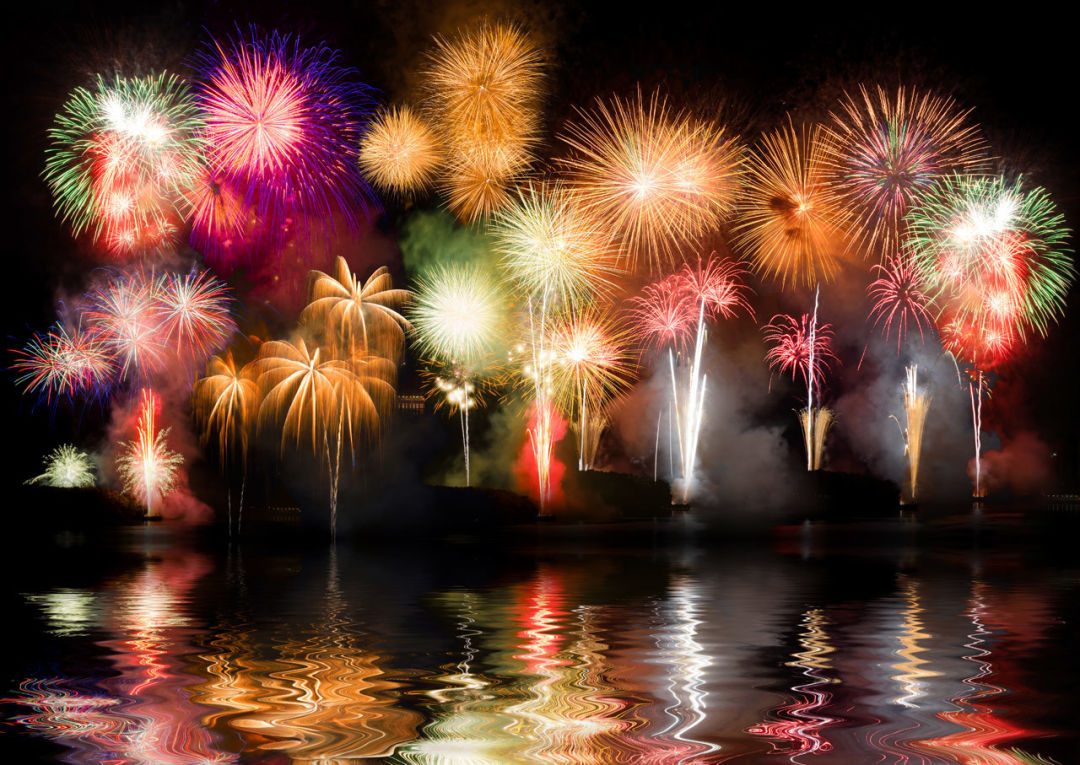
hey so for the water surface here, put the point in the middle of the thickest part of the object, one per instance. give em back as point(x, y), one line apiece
point(160, 650)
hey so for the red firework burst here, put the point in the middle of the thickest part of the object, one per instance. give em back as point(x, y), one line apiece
point(795, 342)
point(899, 299)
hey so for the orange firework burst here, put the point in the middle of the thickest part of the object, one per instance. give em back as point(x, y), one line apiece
point(400, 152)
point(887, 148)
point(486, 82)
point(656, 178)
point(481, 176)
point(484, 90)
point(226, 401)
point(791, 220)
point(592, 362)
point(358, 316)
point(309, 392)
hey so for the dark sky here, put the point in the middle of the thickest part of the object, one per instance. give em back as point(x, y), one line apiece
point(754, 63)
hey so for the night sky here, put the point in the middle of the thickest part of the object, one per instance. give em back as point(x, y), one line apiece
point(751, 65)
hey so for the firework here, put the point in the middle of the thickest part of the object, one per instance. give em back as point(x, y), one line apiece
point(64, 362)
point(800, 347)
point(146, 466)
point(485, 83)
point(664, 313)
point(123, 154)
point(591, 366)
point(657, 179)
point(916, 406)
point(718, 284)
point(400, 153)
point(457, 314)
point(358, 316)
point(791, 219)
point(815, 423)
point(804, 347)
point(887, 148)
point(67, 468)
point(193, 312)
point(549, 248)
point(123, 314)
point(283, 130)
point(899, 298)
point(481, 176)
point(222, 219)
point(689, 408)
point(993, 260)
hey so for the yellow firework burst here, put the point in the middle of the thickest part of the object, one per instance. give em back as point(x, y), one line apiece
point(458, 315)
point(657, 179)
point(357, 317)
point(550, 249)
point(400, 152)
point(791, 221)
point(591, 361)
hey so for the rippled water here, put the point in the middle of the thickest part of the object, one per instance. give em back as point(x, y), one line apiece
point(162, 651)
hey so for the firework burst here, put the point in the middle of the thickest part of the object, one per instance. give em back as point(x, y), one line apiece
point(592, 365)
point(354, 315)
point(791, 220)
point(993, 258)
point(800, 347)
point(64, 363)
point(549, 248)
point(122, 156)
point(457, 314)
point(657, 179)
point(887, 148)
point(899, 299)
point(283, 131)
point(193, 312)
point(67, 468)
point(226, 402)
point(123, 314)
point(400, 153)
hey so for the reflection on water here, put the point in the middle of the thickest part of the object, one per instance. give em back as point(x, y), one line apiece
point(444, 656)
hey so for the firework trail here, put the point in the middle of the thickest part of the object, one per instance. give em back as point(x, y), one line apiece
point(886, 148)
point(916, 407)
point(322, 402)
point(484, 94)
point(657, 179)
point(122, 158)
point(66, 467)
point(147, 467)
point(689, 414)
point(993, 260)
point(283, 130)
point(790, 219)
point(400, 153)
point(815, 424)
point(899, 299)
point(457, 317)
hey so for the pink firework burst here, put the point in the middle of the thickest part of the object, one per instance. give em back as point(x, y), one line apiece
point(664, 313)
point(122, 313)
point(792, 349)
point(899, 299)
point(283, 127)
point(193, 312)
point(719, 283)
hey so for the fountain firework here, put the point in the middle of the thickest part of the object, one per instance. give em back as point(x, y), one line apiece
point(147, 466)
point(916, 406)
